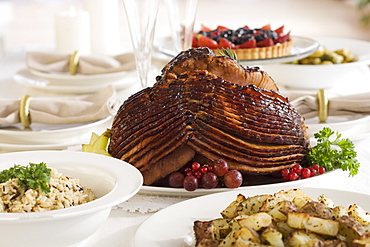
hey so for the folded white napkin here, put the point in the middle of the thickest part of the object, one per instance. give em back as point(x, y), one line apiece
point(307, 105)
point(49, 62)
point(63, 110)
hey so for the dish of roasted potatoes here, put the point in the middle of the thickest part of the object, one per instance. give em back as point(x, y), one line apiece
point(262, 217)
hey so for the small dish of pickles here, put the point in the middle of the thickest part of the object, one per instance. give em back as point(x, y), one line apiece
point(336, 61)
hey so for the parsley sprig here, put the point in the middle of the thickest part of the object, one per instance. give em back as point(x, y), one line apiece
point(34, 176)
point(333, 153)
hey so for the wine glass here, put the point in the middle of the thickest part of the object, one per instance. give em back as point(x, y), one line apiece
point(182, 15)
point(141, 16)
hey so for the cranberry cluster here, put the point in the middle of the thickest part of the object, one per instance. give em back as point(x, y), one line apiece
point(297, 172)
point(207, 176)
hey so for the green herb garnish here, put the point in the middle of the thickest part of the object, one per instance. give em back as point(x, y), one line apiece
point(34, 176)
point(334, 152)
point(228, 53)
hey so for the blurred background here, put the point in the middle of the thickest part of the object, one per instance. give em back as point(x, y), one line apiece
point(29, 24)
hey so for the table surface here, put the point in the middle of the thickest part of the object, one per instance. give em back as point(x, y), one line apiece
point(305, 17)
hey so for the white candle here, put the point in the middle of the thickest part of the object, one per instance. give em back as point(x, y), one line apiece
point(73, 31)
point(104, 21)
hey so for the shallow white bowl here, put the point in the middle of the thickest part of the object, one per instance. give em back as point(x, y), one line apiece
point(112, 181)
point(323, 76)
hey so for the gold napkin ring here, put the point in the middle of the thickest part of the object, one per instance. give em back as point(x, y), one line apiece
point(73, 62)
point(24, 111)
point(323, 102)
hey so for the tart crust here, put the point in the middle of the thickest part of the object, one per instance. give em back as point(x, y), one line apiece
point(278, 50)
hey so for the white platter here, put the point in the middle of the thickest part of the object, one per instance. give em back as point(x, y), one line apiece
point(302, 47)
point(168, 191)
point(70, 84)
point(354, 127)
point(176, 221)
point(44, 134)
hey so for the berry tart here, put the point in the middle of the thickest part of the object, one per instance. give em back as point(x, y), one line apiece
point(247, 43)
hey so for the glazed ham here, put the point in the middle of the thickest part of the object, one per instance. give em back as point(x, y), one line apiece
point(225, 67)
point(196, 113)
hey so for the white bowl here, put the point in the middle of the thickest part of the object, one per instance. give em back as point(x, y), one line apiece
point(314, 77)
point(112, 181)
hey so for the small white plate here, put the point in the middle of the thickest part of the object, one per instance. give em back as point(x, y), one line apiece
point(69, 84)
point(64, 79)
point(47, 134)
point(302, 47)
point(169, 191)
point(176, 222)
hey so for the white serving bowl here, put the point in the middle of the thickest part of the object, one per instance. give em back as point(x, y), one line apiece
point(112, 181)
point(313, 77)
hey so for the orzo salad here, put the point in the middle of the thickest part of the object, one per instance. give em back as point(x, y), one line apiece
point(36, 188)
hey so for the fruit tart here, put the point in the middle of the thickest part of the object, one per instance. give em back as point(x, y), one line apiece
point(247, 43)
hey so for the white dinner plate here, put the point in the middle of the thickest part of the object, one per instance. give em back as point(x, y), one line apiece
point(63, 79)
point(302, 47)
point(172, 226)
point(169, 191)
point(77, 85)
point(354, 127)
point(47, 134)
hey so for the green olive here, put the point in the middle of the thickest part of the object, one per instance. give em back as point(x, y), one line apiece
point(326, 56)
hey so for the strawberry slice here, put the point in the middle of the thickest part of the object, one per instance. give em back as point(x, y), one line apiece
point(265, 43)
point(204, 28)
point(222, 28)
point(266, 27)
point(283, 38)
point(203, 41)
point(225, 43)
point(280, 31)
point(248, 44)
point(194, 41)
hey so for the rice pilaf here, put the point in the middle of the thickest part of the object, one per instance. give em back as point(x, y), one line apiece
point(64, 192)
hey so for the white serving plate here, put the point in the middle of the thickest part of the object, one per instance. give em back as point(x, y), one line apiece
point(302, 47)
point(176, 221)
point(313, 77)
point(169, 191)
point(47, 134)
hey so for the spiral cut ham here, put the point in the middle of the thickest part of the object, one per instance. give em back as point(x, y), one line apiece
point(191, 112)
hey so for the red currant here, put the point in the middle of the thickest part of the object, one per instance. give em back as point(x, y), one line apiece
point(306, 173)
point(293, 176)
point(313, 171)
point(321, 170)
point(187, 169)
point(189, 173)
point(297, 169)
point(316, 166)
point(204, 169)
point(195, 166)
point(284, 172)
point(198, 174)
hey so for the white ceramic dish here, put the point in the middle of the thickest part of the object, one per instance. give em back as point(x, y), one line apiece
point(302, 47)
point(313, 77)
point(44, 134)
point(176, 221)
point(75, 85)
point(113, 181)
point(168, 191)
point(354, 127)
